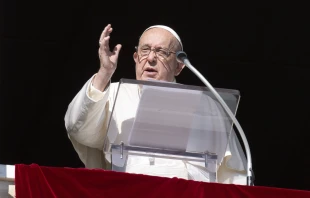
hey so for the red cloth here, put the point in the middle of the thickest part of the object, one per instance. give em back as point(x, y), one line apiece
point(43, 182)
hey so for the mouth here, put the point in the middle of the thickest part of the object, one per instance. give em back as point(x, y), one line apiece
point(150, 71)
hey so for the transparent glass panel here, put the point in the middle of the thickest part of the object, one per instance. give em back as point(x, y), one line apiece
point(158, 128)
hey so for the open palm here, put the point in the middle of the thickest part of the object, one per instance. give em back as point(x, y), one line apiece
point(108, 59)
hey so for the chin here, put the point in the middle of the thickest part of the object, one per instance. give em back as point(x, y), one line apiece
point(148, 77)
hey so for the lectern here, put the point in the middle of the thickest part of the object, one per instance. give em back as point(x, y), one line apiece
point(173, 130)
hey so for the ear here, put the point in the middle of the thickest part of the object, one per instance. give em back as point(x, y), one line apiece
point(179, 68)
point(135, 57)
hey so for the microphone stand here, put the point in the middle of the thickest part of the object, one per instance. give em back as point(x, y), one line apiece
point(182, 57)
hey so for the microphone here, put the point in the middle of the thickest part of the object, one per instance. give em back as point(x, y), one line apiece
point(181, 56)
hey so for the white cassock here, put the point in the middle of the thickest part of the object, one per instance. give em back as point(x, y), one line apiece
point(86, 121)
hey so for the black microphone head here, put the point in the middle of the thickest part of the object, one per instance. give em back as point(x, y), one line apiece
point(180, 55)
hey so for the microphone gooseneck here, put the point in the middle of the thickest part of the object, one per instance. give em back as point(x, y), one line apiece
point(182, 57)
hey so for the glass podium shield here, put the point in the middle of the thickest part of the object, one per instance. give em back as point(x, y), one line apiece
point(168, 129)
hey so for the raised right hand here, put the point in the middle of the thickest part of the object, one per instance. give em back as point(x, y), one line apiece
point(108, 59)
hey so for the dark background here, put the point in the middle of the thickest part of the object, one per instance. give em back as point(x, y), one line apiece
point(49, 50)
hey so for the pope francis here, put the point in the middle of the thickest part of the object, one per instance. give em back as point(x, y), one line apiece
point(87, 116)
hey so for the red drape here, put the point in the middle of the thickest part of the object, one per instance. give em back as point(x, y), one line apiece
point(44, 182)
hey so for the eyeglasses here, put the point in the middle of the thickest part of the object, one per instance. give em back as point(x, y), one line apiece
point(163, 53)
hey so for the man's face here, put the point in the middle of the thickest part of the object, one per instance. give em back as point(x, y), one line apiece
point(158, 63)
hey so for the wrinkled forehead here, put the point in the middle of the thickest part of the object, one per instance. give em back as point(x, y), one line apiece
point(157, 37)
point(175, 35)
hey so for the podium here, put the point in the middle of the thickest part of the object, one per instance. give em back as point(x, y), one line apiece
point(170, 130)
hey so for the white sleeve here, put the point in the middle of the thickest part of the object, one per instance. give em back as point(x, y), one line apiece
point(95, 94)
point(87, 116)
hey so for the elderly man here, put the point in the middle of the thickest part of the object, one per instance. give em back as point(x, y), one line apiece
point(87, 116)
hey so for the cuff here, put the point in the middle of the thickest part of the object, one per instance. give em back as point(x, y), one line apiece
point(95, 94)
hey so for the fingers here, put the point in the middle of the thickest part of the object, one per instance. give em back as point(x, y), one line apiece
point(116, 50)
point(104, 39)
point(106, 32)
point(108, 58)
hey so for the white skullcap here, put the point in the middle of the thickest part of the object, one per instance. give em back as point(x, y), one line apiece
point(168, 29)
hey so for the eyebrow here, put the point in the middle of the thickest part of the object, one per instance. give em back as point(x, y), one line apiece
point(145, 45)
point(159, 47)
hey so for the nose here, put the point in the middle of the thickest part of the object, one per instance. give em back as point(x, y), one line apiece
point(152, 56)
